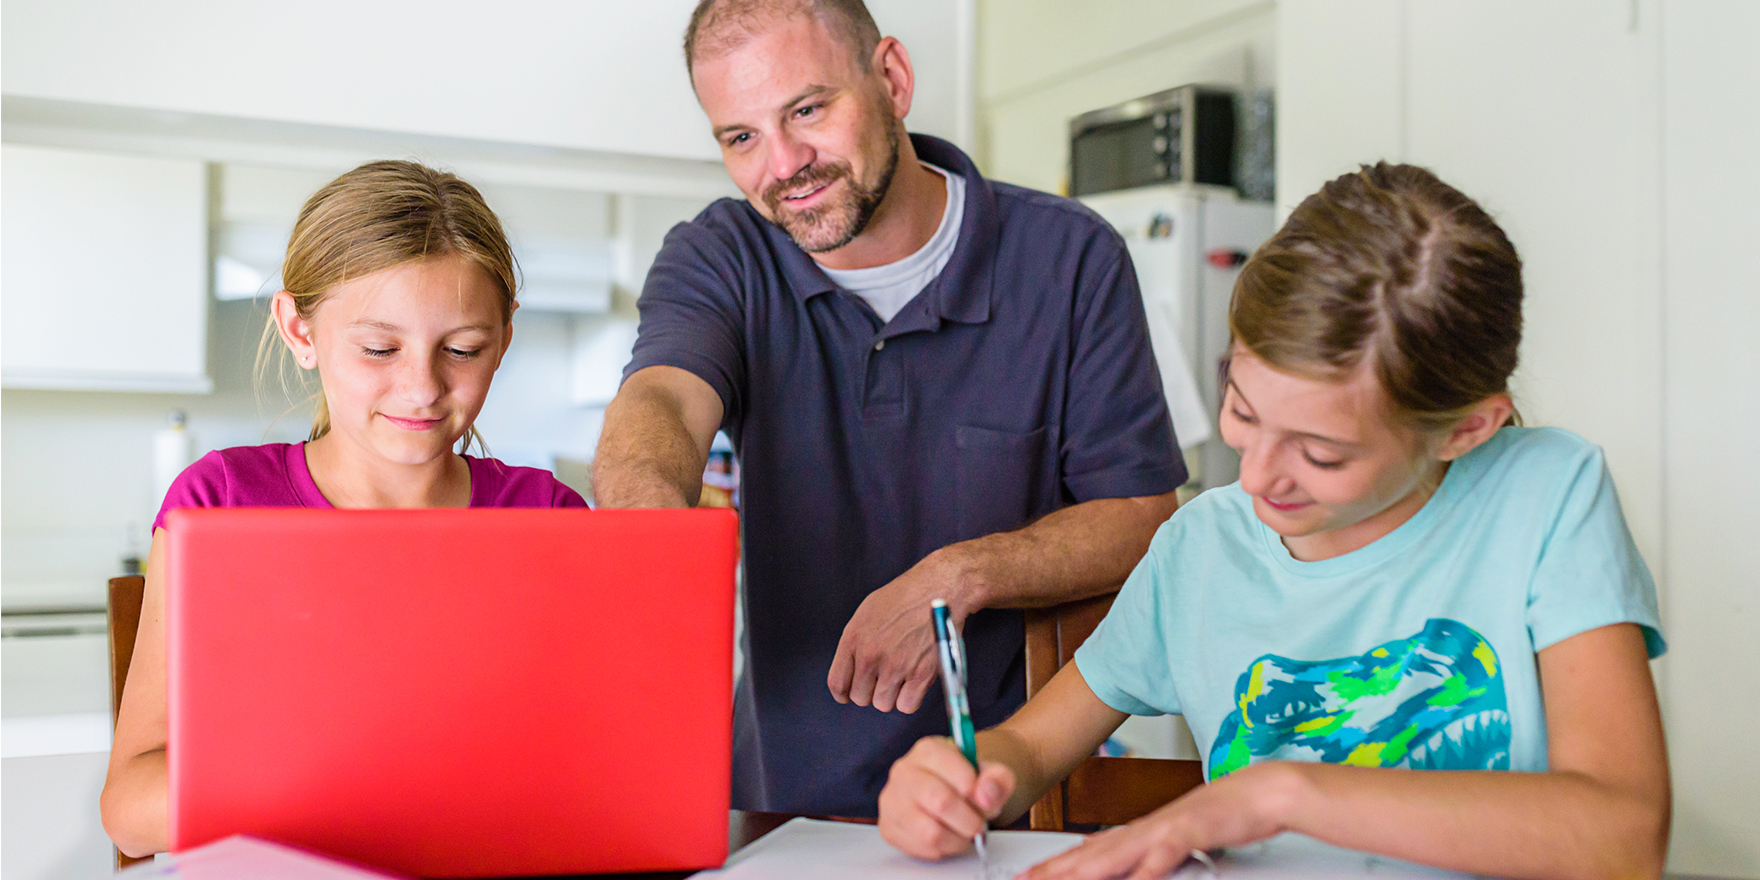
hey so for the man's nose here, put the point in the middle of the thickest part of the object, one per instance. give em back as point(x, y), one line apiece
point(788, 155)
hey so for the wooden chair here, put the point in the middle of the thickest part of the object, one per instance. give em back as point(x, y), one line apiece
point(1101, 791)
point(124, 618)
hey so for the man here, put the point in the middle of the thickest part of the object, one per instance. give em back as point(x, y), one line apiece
point(938, 386)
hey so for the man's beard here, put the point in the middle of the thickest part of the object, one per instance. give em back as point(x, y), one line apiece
point(837, 222)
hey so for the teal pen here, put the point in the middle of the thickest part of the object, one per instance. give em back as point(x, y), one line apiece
point(959, 712)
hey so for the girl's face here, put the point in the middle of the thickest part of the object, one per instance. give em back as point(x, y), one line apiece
point(1326, 467)
point(405, 354)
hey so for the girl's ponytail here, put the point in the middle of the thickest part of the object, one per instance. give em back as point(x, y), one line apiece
point(1391, 265)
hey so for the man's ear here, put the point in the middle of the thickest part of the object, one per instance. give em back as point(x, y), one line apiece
point(1477, 427)
point(294, 330)
point(893, 65)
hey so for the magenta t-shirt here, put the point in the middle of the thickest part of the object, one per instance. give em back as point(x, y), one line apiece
point(275, 475)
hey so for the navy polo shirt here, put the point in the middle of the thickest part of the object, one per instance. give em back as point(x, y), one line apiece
point(1020, 381)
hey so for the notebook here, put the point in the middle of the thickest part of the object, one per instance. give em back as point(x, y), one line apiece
point(454, 693)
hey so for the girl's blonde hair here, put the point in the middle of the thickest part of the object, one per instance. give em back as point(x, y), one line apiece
point(1391, 266)
point(376, 217)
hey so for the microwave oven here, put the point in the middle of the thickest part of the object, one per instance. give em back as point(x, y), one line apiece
point(1182, 135)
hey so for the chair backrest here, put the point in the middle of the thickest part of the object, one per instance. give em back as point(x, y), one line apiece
point(124, 618)
point(1101, 791)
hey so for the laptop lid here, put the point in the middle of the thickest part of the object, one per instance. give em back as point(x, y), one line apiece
point(454, 693)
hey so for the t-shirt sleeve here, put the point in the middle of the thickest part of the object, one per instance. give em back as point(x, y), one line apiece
point(202, 484)
point(1117, 435)
point(1125, 660)
point(563, 496)
point(1590, 574)
point(692, 314)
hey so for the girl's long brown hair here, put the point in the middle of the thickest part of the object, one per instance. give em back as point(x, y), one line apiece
point(378, 216)
point(1391, 266)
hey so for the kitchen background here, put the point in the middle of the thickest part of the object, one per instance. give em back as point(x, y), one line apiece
point(1609, 136)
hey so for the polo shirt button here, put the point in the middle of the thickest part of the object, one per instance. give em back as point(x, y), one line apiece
point(880, 345)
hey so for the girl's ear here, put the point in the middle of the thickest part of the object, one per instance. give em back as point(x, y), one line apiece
point(295, 330)
point(506, 334)
point(1484, 420)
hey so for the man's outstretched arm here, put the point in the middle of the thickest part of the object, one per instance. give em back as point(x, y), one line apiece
point(656, 440)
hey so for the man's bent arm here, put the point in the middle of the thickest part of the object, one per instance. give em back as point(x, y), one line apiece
point(886, 657)
point(656, 440)
point(1080, 551)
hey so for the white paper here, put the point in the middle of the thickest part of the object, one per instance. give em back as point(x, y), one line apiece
point(1298, 857)
point(809, 849)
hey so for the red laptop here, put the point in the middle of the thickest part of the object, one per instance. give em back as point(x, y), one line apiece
point(455, 693)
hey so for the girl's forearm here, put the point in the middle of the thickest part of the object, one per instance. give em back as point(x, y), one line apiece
point(135, 805)
point(1540, 825)
point(1032, 777)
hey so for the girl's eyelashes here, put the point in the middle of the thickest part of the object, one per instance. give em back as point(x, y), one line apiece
point(1322, 464)
point(1240, 415)
point(463, 354)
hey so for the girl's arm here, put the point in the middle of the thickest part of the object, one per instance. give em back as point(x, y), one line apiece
point(134, 802)
point(934, 802)
point(1602, 811)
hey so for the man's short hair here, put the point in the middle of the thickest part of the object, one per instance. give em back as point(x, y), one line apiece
point(724, 24)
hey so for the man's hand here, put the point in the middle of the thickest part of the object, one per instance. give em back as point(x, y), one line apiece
point(887, 656)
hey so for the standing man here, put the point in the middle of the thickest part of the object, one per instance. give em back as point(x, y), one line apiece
point(938, 386)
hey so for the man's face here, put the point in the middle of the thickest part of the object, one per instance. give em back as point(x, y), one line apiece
point(809, 138)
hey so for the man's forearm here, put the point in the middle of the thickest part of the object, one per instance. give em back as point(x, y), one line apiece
point(1079, 551)
point(646, 455)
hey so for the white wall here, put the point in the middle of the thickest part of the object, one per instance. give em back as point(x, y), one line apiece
point(1710, 329)
point(1042, 62)
point(1611, 139)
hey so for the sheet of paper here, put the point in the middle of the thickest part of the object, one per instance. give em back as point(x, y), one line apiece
point(808, 849)
point(247, 858)
point(1297, 857)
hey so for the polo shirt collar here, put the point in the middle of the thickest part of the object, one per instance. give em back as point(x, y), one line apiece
point(962, 293)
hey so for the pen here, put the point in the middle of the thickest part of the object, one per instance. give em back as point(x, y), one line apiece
point(959, 712)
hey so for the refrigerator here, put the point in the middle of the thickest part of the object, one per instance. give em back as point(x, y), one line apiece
point(1188, 242)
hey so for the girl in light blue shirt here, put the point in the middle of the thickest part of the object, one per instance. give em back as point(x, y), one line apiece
point(1401, 580)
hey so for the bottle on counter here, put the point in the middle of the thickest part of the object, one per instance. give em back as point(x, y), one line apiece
point(174, 448)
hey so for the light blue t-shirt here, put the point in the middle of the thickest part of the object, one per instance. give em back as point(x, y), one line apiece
point(1417, 650)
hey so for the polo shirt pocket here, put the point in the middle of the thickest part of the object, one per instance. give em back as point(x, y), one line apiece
point(996, 476)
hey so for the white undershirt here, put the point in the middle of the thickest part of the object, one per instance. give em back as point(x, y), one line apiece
point(888, 288)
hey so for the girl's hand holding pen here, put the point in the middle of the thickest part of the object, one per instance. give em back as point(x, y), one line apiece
point(934, 802)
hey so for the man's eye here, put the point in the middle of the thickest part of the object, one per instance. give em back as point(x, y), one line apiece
point(806, 111)
point(740, 138)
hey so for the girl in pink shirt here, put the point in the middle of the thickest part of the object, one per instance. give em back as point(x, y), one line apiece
point(400, 300)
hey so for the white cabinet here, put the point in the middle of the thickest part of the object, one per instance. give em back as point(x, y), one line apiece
point(104, 281)
point(592, 75)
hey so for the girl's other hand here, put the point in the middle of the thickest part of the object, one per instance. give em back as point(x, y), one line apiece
point(1243, 807)
point(934, 803)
